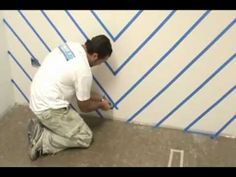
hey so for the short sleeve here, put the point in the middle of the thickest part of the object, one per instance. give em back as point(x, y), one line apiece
point(83, 87)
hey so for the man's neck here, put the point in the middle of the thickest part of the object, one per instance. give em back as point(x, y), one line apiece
point(84, 46)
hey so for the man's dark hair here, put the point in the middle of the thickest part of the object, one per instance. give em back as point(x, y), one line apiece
point(99, 44)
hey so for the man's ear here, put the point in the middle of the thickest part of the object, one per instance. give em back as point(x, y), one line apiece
point(95, 56)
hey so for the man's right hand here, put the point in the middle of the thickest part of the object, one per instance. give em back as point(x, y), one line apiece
point(106, 105)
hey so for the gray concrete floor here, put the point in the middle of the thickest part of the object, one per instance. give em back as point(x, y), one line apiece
point(117, 144)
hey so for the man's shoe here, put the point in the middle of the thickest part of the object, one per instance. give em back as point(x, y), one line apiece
point(36, 149)
point(35, 131)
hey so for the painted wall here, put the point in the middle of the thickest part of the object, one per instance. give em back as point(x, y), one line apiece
point(6, 88)
point(168, 69)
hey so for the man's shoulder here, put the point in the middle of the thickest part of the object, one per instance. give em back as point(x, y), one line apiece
point(81, 66)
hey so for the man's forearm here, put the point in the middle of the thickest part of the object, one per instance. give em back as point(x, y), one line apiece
point(95, 96)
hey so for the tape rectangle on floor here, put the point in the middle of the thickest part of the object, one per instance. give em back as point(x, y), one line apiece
point(172, 156)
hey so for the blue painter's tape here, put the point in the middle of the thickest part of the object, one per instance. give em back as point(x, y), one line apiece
point(20, 66)
point(110, 68)
point(18, 88)
point(99, 113)
point(225, 125)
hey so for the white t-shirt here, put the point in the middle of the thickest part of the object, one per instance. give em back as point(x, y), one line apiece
point(64, 74)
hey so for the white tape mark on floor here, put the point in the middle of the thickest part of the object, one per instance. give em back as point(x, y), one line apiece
point(172, 151)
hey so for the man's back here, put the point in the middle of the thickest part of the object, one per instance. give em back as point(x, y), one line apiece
point(55, 82)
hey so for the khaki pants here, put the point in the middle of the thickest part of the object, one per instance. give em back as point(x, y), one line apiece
point(63, 128)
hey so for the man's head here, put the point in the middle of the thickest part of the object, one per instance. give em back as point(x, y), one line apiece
point(98, 50)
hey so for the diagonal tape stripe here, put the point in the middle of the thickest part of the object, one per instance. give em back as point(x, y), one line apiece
point(224, 127)
point(109, 67)
point(99, 113)
point(17, 62)
point(18, 88)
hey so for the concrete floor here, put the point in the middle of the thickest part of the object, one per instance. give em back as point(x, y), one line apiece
point(117, 144)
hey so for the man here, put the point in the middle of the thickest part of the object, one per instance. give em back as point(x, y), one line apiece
point(64, 74)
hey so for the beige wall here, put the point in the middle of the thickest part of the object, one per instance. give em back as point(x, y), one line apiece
point(6, 88)
point(164, 45)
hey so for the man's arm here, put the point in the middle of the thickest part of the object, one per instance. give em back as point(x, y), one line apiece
point(95, 96)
